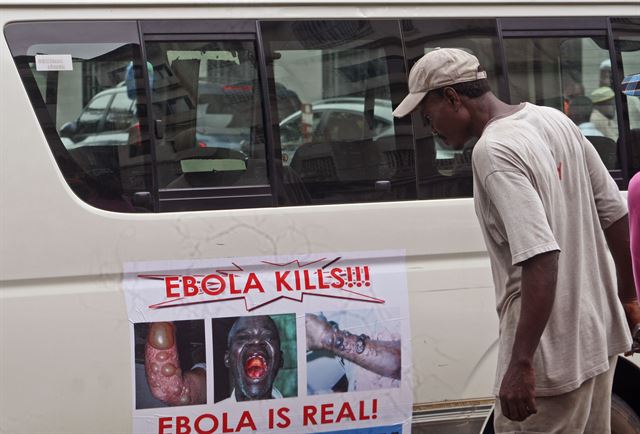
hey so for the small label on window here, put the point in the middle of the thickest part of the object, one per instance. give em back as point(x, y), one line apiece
point(54, 62)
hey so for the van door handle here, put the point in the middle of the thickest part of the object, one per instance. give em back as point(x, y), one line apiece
point(158, 128)
point(143, 200)
point(383, 185)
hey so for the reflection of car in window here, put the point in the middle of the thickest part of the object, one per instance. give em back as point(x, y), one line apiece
point(225, 111)
point(334, 119)
point(108, 117)
point(341, 119)
point(104, 121)
point(224, 116)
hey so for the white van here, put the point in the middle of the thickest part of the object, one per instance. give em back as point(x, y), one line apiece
point(74, 213)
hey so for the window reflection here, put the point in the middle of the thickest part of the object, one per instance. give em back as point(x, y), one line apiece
point(340, 144)
point(207, 109)
point(96, 120)
point(444, 172)
point(572, 74)
point(626, 33)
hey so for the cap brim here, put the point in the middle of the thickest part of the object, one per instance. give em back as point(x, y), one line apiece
point(409, 104)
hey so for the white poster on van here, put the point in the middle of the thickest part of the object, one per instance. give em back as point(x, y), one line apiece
point(289, 344)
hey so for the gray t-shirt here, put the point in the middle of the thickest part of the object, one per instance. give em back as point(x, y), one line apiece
point(540, 186)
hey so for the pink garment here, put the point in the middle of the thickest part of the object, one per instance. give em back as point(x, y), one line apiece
point(634, 226)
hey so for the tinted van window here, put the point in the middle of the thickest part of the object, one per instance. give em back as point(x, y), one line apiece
point(341, 140)
point(442, 171)
point(77, 81)
point(571, 74)
point(208, 113)
point(626, 32)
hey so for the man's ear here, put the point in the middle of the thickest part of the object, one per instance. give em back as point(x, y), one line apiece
point(452, 97)
point(226, 359)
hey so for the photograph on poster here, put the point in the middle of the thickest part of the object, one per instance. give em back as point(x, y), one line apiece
point(255, 358)
point(352, 350)
point(170, 364)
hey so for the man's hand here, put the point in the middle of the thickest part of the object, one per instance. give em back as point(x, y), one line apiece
point(319, 333)
point(518, 391)
point(632, 311)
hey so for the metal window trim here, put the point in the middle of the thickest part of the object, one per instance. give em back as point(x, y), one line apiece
point(197, 26)
point(565, 24)
point(273, 150)
point(624, 151)
point(572, 33)
point(198, 37)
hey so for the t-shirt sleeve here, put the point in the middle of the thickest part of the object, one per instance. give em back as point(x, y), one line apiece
point(609, 203)
point(522, 215)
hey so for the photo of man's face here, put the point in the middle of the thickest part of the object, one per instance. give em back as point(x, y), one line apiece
point(253, 357)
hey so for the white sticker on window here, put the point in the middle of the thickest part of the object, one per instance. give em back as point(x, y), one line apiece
point(54, 62)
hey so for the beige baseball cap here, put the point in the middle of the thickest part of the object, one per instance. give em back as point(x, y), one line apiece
point(438, 68)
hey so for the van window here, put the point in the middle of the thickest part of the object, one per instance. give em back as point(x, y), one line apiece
point(208, 114)
point(442, 171)
point(571, 74)
point(83, 105)
point(626, 32)
point(345, 75)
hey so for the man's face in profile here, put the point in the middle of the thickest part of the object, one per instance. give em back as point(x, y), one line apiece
point(253, 356)
point(448, 121)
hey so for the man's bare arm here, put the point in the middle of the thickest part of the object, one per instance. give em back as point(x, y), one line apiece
point(517, 391)
point(165, 378)
point(617, 236)
point(380, 357)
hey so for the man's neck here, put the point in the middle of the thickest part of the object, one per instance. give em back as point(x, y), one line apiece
point(487, 107)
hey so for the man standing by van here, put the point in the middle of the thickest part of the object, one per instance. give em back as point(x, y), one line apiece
point(548, 209)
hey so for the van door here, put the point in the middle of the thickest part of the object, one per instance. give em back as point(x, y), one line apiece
point(208, 116)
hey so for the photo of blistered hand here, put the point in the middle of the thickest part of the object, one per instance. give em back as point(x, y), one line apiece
point(167, 381)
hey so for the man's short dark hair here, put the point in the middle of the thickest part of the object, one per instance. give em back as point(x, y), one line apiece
point(580, 108)
point(470, 89)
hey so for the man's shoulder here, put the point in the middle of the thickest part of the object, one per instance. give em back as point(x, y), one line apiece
point(546, 123)
point(506, 142)
point(495, 143)
point(542, 117)
point(552, 111)
point(489, 153)
point(504, 132)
